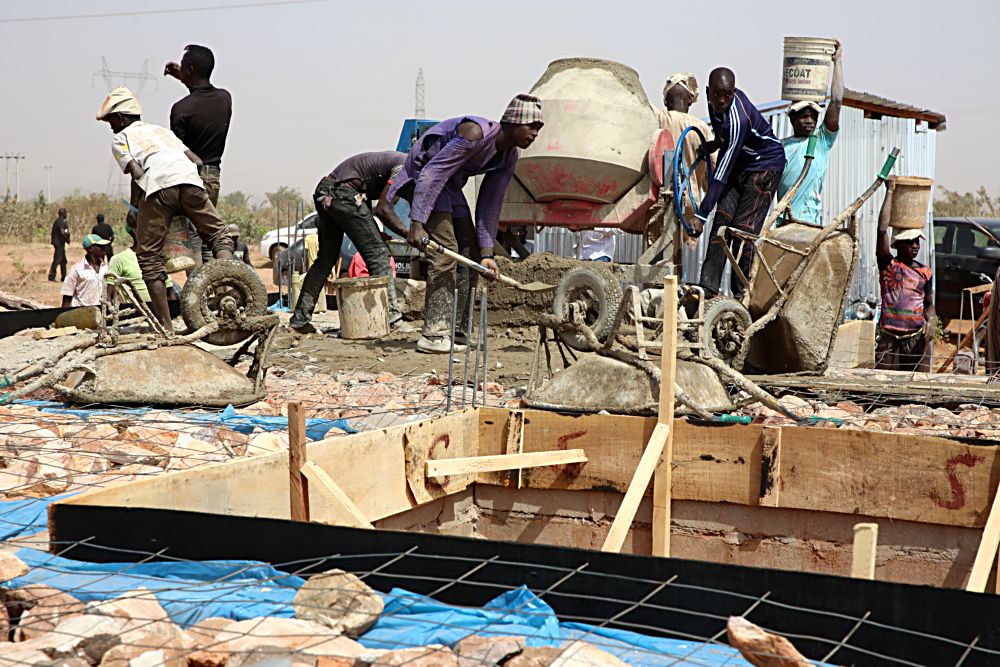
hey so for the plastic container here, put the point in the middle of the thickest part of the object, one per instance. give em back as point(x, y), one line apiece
point(363, 305)
point(178, 250)
point(595, 142)
point(806, 68)
point(910, 198)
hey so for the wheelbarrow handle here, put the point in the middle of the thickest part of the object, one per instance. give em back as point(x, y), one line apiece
point(465, 261)
point(889, 162)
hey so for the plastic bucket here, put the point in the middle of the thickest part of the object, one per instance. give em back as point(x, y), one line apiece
point(910, 198)
point(178, 250)
point(806, 69)
point(363, 304)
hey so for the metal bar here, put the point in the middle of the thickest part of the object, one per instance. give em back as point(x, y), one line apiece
point(468, 345)
point(486, 344)
point(451, 351)
point(475, 371)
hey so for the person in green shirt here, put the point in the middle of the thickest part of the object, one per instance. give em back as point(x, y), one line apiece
point(125, 264)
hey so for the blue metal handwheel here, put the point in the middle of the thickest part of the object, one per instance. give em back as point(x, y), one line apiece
point(683, 175)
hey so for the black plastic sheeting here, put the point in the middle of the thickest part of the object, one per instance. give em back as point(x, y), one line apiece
point(13, 321)
point(663, 596)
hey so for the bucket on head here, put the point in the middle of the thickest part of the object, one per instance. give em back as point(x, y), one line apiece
point(178, 249)
point(911, 196)
point(806, 68)
point(363, 305)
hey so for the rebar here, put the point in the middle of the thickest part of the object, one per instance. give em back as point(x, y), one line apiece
point(451, 350)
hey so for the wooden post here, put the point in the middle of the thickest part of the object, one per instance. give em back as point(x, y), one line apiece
point(662, 478)
point(987, 549)
point(298, 486)
point(863, 558)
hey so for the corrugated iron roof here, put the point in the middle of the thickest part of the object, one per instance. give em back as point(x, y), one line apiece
point(875, 106)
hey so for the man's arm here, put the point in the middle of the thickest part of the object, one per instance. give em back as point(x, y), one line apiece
point(172, 69)
point(194, 158)
point(882, 248)
point(831, 119)
point(386, 212)
point(67, 301)
point(738, 129)
point(930, 317)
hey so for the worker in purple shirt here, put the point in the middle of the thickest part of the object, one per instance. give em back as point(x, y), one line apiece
point(750, 163)
point(436, 169)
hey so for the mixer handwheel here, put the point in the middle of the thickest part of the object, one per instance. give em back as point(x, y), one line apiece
point(216, 287)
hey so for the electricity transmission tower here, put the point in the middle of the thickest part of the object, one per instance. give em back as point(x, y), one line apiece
point(114, 78)
point(419, 110)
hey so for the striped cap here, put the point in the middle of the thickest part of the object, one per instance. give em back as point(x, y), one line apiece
point(523, 110)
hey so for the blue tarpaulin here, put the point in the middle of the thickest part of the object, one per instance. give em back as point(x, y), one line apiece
point(25, 517)
point(316, 429)
point(189, 591)
point(416, 620)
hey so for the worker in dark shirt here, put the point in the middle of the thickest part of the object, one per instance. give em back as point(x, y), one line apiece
point(104, 230)
point(59, 238)
point(201, 119)
point(240, 249)
point(344, 204)
point(751, 161)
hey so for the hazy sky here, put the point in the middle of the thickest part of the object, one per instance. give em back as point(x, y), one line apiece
point(316, 82)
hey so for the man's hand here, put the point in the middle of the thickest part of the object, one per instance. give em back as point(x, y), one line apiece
point(491, 265)
point(696, 227)
point(837, 51)
point(416, 234)
point(172, 69)
point(930, 329)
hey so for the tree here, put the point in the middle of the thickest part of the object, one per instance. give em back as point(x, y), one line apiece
point(286, 199)
point(952, 204)
point(237, 199)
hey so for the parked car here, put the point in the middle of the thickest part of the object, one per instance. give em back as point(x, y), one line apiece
point(966, 254)
point(405, 256)
point(277, 240)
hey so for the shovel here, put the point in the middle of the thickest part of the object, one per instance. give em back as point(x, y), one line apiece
point(476, 266)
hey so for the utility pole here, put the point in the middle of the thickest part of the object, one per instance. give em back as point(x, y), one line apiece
point(48, 182)
point(112, 79)
point(419, 111)
point(16, 157)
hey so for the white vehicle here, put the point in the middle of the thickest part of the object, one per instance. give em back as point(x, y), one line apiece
point(277, 240)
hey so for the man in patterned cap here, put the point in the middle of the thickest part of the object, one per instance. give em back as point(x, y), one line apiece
point(436, 169)
point(165, 183)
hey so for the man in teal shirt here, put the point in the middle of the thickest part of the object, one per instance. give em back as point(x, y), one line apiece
point(807, 206)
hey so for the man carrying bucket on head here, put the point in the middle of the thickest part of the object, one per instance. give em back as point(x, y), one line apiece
point(807, 205)
point(436, 169)
point(165, 184)
point(907, 323)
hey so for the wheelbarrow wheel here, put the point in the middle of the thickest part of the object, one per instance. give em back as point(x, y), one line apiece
point(213, 282)
point(597, 292)
point(726, 323)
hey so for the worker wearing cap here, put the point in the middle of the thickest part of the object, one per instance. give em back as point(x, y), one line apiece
point(679, 93)
point(437, 167)
point(125, 264)
point(907, 323)
point(240, 249)
point(807, 205)
point(84, 284)
point(165, 183)
point(343, 200)
point(749, 167)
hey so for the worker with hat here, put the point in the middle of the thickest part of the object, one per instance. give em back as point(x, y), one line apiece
point(84, 284)
point(240, 249)
point(165, 183)
point(679, 93)
point(438, 166)
point(807, 205)
point(907, 322)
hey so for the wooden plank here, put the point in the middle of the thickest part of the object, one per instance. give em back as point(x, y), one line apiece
point(637, 488)
point(44, 334)
point(719, 464)
point(298, 488)
point(448, 437)
point(770, 467)
point(987, 551)
point(891, 475)
point(515, 444)
point(477, 464)
point(346, 512)
point(863, 556)
point(662, 476)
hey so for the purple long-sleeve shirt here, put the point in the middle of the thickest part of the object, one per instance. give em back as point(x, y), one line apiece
point(441, 163)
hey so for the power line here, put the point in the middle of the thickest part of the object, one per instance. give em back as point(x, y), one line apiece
point(176, 10)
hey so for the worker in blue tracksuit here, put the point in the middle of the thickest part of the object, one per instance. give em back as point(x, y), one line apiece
point(750, 163)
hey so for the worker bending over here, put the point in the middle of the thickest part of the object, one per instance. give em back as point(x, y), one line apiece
point(165, 183)
point(344, 204)
point(436, 169)
point(750, 163)
point(807, 205)
point(907, 323)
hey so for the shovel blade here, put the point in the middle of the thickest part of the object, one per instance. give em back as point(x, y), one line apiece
point(536, 287)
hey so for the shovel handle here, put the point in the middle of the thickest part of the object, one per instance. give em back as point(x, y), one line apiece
point(465, 261)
